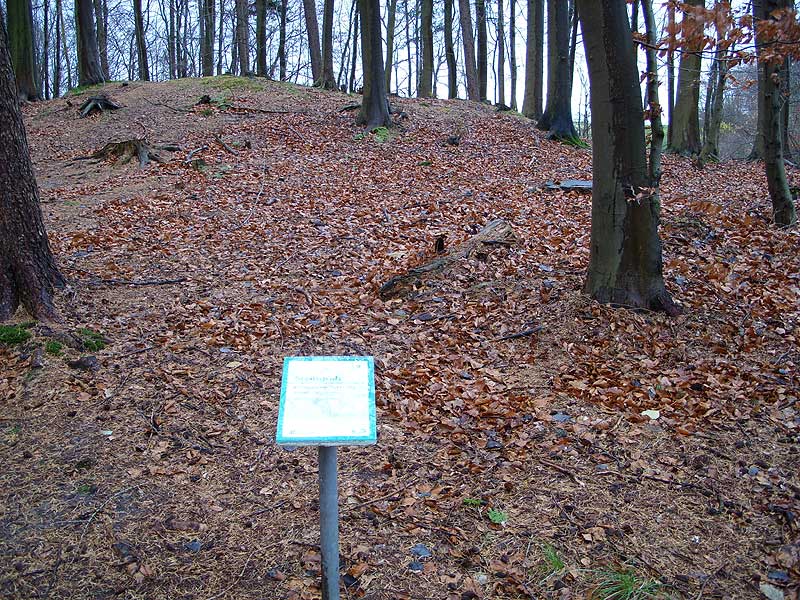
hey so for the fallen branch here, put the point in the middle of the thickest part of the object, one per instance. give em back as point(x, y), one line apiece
point(350, 107)
point(521, 334)
point(562, 470)
point(225, 146)
point(193, 152)
point(497, 232)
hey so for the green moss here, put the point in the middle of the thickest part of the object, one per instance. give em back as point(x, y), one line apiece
point(92, 340)
point(53, 347)
point(229, 82)
point(11, 335)
point(82, 89)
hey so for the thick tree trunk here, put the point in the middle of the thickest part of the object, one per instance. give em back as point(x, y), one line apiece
point(312, 29)
point(557, 116)
point(28, 273)
point(653, 105)
point(625, 251)
point(59, 17)
point(685, 138)
point(374, 106)
point(90, 71)
point(534, 63)
point(21, 46)
point(670, 78)
point(351, 87)
point(465, 16)
point(328, 81)
point(141, 45)
point(391, 18)
point(45, 73)
point(261, 38)
point(408, 48)
point(512, 52)
point(501, 55)
point(784, 212)
point(449, 51)
point(483, 48)
point(242, 37)
point(425, 87)
point(786, 92)
point(714, 104)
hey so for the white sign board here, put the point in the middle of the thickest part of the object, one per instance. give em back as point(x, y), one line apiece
point(327, 401)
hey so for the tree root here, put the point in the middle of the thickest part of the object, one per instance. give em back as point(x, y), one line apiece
point(123, 152)
point(95, 104)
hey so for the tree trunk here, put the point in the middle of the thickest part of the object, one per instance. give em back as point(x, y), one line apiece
point(141, 45)
point(625, 265)
point(391, 19)
point(374, 106)
point(670, 78)
point(757, 153)
point(351, 87)
point(557, 116)
point(28, 272)
point(90, 72)
point(21, 46)
point(512, 52)
point(343, 62)
point(408, 48)
point(686, 121)
point(501, 55)
point(59, 17)
point(425, 87)
point(449, 51)
point(45, 76)
point(221, 36)
point(328, 81)
point(783, 209)
point(715, 98)
point(534, 63)
point(653, 106)
point(242, 37)
point(101, 23)
point(786, 93)
point(483, 48)
point(312, 29)
point(465, 16)
point(171, 40)
point(282, 40)
point(208, 37)
point(573, 44)
point(261, 38)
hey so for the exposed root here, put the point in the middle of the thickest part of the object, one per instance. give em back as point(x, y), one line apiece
point(123, 152)
point(95, 104)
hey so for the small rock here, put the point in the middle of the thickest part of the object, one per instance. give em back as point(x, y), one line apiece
point(276, 575)
point(416, 566)
point(771, 592)
point(421, 551)
point(193, 546)
point(548, 284)
point(560, 417)
point(546, 268)
point(349, 581)
point(493, 445)
point(779, 576)
point(752, 471)
point(482, 578)
point(680, 280)
point(85, 363)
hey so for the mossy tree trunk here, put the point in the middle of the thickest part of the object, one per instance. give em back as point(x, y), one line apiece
point(374, 106)
point(625, 256)
point(534, 60)
point(557, 116)
point(21, 46)
point(783, 209)
point(28, 273)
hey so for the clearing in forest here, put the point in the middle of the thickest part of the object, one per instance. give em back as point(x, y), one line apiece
point(532, 444)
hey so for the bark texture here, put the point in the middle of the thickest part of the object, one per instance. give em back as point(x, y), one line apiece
point(534, 62)
point(465, 17)
point(483, 48)
point(20, 38)
point(501, 55)
point(625, 265)
point(242, 37)
point(141, 45)
point(557, 116)
point(261, 38)
point(374, 106)
point(312, 29)
point(784, 211)
point(391, 20)
point(207, 41)
point(450, 51)
point(425, 88)
point(90, 71)
point(327, 80)
point(685, 137)
point(28, 273)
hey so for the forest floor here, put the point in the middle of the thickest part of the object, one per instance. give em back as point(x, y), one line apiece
point(505, 468)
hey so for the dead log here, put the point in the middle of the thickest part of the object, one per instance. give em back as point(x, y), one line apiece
point(95, 104)
point(570, 185)
point(123, 152)
point(495, 233)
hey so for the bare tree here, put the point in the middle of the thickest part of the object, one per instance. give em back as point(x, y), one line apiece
point(90, 71)
point(425, 87)
point(20, 39)
point(374, 105)
point(449, 51)
point(534, 60)
point(465, 16)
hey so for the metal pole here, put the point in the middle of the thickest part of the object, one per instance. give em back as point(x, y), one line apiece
point(329, 522)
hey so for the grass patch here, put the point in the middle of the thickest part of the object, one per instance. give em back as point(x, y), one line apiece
point(230, 82)
point(11, 335)
point(474, 502)
point(92, 340)
point(54, 348)
point(625, 584)
point(552, 560)
point(82, 89)
point(381, 134)
point(498, 517)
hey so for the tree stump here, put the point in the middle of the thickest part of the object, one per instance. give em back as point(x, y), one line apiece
point(495, 233)
point(123, 152)
point(95, 104)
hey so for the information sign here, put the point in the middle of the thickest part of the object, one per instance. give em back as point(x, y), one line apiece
point(327, 401)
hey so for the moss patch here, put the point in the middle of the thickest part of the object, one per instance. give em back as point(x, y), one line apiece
point(92, 340)
point(11, 335)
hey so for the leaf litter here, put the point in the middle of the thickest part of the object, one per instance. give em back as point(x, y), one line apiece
point(274, 240)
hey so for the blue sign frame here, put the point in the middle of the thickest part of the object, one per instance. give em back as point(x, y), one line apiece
point(370, 438)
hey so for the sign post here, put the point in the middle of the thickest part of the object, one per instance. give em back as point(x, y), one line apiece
point(327, 401)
